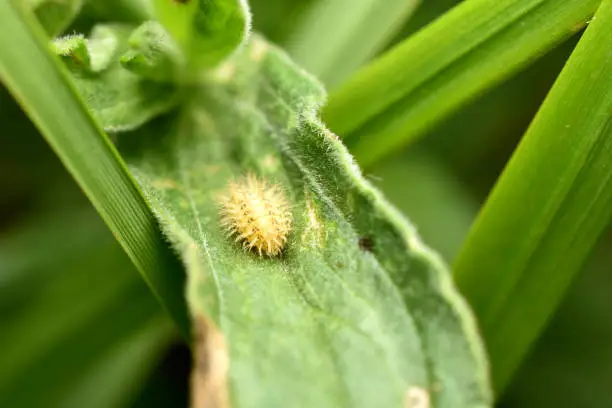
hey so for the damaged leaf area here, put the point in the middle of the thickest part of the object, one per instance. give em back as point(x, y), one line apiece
point(354, 311)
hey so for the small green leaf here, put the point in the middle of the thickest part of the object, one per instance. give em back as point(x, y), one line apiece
point(152, 54)
point(54, 15)
point(73, 51)
point(120, 99)
point(356, 311)
point(208, 31)
point(93, 55)
point(102, 45)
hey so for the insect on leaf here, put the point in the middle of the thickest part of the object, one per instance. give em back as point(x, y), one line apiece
point(353, 311)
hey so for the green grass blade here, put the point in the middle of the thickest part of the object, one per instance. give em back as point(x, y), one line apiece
point(38, 82)
point(548, 208)
point(334, 38)
point(78, 325)
point(473, 47)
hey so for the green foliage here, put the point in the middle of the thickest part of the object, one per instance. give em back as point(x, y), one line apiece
point(276, 19)
point(335, 37)
point(571, 364)
point(257, 113)
point(348, 294)
point(58, 352)
point(130, 11)
point(54, 15)
point(119, 98)
point(207, 31)
point(36, 80)
point(355, 310)
point(555, 195)
point(397, 97)
point(419, 184)
point(73, 50)
point(152, 54)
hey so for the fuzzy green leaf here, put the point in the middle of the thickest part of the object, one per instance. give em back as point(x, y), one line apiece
point(73, 50)
point(102, 45)
point(118, 98)
point(152, 54)
point(94, 54)
point(208, 31)
point(356, 312)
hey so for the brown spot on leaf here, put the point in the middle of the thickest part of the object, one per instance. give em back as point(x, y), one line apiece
point(366, 244)
point(209, 376)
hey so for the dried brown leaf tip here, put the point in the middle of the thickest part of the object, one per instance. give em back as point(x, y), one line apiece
point(257, 214)
point(209, 376)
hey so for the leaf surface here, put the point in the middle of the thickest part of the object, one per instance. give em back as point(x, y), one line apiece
point(356, 312)
point(208, 31)
point(119, 99)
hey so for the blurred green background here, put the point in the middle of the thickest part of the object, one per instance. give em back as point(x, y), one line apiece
point(64, 345)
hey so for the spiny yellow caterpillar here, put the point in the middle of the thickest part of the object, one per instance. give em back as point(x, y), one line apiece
point(257, 214)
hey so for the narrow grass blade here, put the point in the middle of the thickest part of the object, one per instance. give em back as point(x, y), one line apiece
point(548, 208)
point(78, 325)
point(471, 48)
point(334, 38)
point(37, 81)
